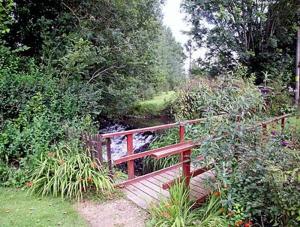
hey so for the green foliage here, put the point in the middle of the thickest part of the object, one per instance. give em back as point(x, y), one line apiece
point(211, 213)
point(279, 101)
point(155, 106)
point(68, 172)
point(12, 176)
point(222, 95)
point(35, 211)
point(6, 16)
point(175, 211)
point(258, 34)
point(228, 95)
point(64, 64)
point(250, 170)
point(112, 46)
point(170, 61)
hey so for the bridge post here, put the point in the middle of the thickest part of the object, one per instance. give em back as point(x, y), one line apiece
point(108, 151)
point(99, 149)
point(130, 164)
point(186, 166)
point(181, 137)
point(282, 124)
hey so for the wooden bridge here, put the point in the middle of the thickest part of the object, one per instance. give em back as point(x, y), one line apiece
point(152, 187)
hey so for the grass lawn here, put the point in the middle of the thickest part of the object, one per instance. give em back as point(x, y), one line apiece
point(294, 122)
point(155, 105)
point(19, 209)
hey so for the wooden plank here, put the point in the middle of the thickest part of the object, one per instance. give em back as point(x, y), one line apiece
point(152, 193)
point(154, 181)
point(141, 194)
point(146, 153)
point(193, 196)
point(155, 187)
point(170, 178)
point(161, 179)
point(180, 178)
point(197, 190)
point(198, 184)
point(136, 199)
point(194, 187)
point(136, 179)
point(167, 176)
point(173, 150)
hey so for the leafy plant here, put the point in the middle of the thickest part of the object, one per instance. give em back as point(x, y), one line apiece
point(245, 164)
point(178, 210)
point(211, 213)
point(224, 95)
point(68, 172)
point(175, 211)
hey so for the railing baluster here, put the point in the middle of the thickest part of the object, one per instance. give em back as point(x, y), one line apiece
point(130, 164)
point(181, 137)
point(181, 132)
point(108, 151)
point(282, 124)
point(99, 149)
point(186, 166)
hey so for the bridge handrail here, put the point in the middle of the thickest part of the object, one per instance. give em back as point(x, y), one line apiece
point(154, 128)
point(130, 157)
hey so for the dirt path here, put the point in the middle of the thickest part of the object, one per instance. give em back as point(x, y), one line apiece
point(115, 213)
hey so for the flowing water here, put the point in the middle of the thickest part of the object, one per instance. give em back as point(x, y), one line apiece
point(141, 141)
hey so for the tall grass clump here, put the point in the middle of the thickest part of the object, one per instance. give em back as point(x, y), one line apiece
point(175, 211)
point(179, 211)
point(68, 172)
point(211, 213)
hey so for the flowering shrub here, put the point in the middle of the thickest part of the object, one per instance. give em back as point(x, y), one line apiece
point(259, 176)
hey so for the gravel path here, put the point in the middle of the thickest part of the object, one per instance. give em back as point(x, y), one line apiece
point(115, 213)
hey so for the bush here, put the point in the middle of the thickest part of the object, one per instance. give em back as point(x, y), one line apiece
point(38, 111)
point(68, 172)
point(223, 95)
point(279, 101)
point(259, 177)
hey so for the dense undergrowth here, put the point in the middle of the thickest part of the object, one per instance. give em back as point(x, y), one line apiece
point(61, 71)
point(257, 180)
point(257, 176)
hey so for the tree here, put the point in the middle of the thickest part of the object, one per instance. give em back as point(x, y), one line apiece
point(113, 45)
point(259, 34)
point(5, 16)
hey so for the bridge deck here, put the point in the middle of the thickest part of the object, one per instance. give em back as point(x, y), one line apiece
point(149, 191)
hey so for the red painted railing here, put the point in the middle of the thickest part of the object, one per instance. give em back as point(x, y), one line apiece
point(96, 141)
point(130, 157)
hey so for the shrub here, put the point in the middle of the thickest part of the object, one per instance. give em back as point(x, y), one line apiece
point(251, 170)
point(68, 172)
point(225, 94)
point(279, 101)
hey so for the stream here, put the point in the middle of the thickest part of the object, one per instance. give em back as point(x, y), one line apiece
point(141, 141)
